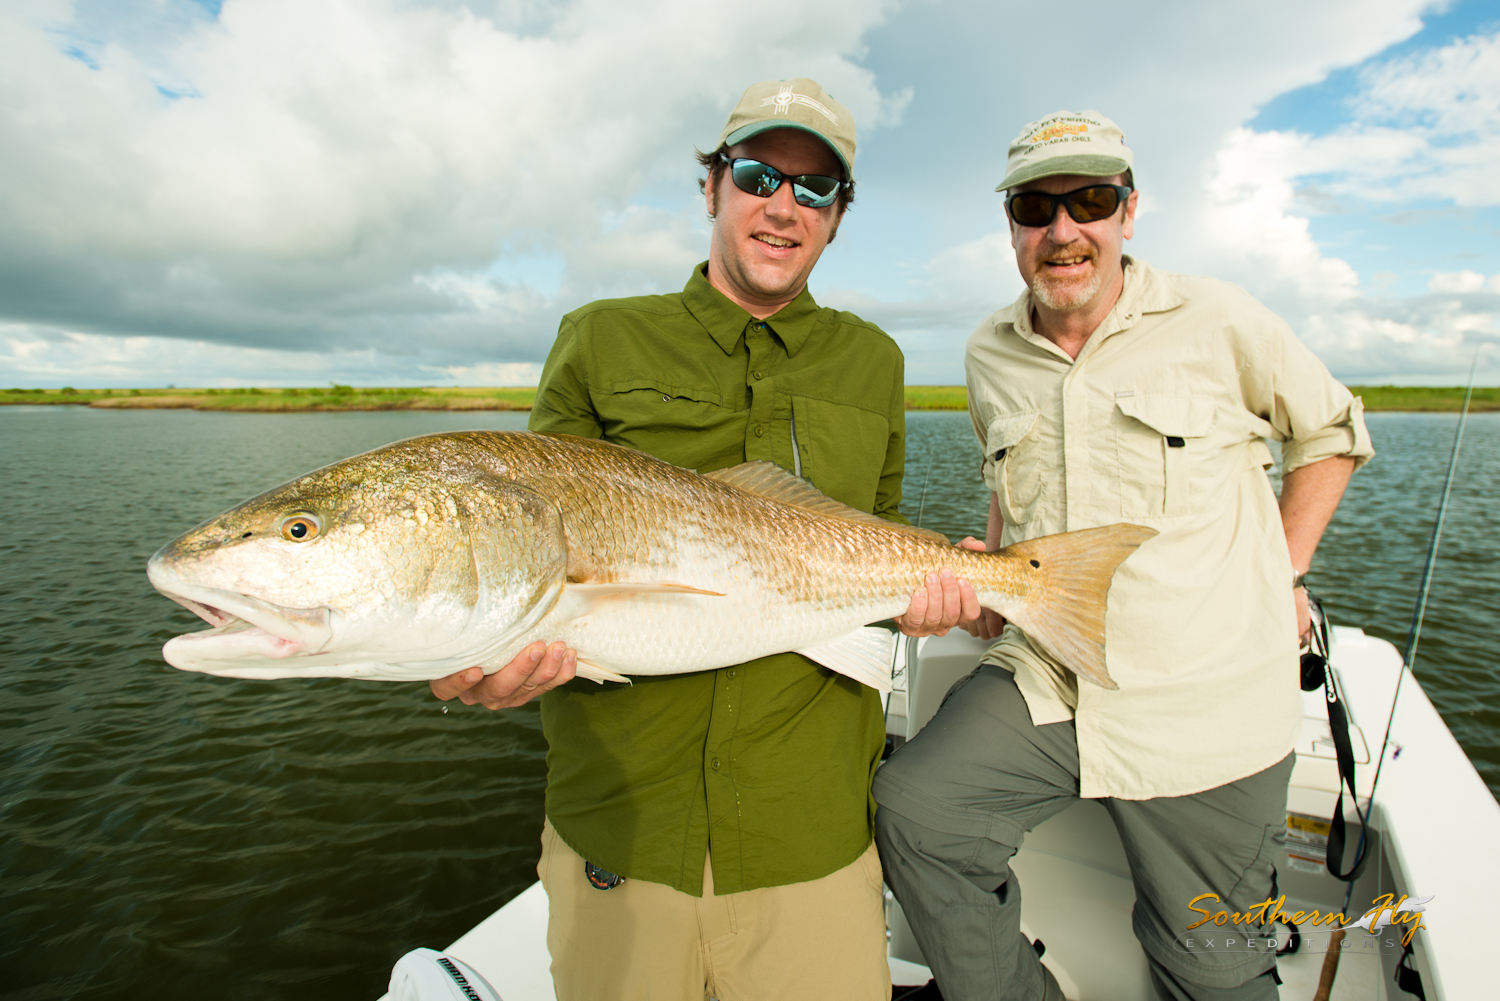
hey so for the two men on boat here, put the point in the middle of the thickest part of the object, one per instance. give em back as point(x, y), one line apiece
point(712, 834)
point(1111, 391)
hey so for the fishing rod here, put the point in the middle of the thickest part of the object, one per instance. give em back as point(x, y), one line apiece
point(1414, 632)
point(1408, 659)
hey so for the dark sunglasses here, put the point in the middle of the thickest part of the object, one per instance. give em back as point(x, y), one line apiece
point(762, 180)
point(1090, 204)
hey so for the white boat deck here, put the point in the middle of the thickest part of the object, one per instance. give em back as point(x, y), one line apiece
point(1436, 830)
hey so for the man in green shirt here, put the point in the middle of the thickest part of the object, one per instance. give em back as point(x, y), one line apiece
point(734, 803)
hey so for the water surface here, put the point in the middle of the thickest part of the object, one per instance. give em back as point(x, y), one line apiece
point(173, 835)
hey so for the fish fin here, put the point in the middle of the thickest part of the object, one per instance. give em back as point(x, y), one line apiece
point(637, 587)
point(598, 674)
point(1063, 611)
point(866, 655)
point(768, 480)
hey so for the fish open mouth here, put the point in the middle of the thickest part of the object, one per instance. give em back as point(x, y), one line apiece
point(244, 627)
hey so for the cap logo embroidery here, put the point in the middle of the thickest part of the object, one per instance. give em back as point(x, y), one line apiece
point(785, 98)
point(1058, 131)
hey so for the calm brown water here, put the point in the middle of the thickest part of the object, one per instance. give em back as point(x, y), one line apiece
point(170, 835)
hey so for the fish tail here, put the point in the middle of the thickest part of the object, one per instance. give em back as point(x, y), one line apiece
point(1066, 580)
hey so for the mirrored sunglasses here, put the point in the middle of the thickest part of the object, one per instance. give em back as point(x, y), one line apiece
point(762, 180)
point(1090, 204)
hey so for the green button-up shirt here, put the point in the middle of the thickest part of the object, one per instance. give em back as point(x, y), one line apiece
point(768, 762)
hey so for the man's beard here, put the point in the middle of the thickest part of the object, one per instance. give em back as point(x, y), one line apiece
point(1068, 293)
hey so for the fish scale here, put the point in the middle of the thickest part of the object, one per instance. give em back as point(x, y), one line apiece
point(445, 551)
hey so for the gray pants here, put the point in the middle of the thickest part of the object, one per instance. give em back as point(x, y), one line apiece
point(956, 801)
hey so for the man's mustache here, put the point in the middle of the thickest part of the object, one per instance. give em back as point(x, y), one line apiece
point(1056, 252)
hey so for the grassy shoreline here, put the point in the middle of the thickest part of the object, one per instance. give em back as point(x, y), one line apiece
point(343, 398)
point(332, 398)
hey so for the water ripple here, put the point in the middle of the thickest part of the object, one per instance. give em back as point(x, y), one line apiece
point(168, 835)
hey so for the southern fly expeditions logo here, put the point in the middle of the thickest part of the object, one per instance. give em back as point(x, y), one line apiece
point(1389, 926)
point(786, 97)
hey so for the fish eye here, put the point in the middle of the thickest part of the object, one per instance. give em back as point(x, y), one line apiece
point(300, 528)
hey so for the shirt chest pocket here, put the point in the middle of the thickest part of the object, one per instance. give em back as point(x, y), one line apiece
point(1162, 444)
point(688, 425)
point(1012, 464)
point(841, 449)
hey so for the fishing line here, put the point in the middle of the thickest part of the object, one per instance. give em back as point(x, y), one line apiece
point(910, 651)
point(922, 505)
point(1408, 658)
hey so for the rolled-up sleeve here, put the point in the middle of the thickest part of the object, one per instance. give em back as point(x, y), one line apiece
point(1315, 416)
point(1345, 435)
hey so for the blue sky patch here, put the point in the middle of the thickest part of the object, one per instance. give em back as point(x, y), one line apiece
point(1321, 107)
point(1396, 249)
point(75, 52)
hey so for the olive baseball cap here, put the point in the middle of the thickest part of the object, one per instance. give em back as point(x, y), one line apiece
point(1067, 142)
point(793, 104)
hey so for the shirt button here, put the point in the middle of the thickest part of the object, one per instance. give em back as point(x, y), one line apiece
point(759, 375)
point(731, 672)
point(759, 430)
point(715, 764)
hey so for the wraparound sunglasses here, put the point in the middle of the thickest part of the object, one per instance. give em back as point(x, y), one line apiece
point(1090, 204)
point(761, 179)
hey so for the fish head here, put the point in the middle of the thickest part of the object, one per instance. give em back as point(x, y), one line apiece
point(387, 565)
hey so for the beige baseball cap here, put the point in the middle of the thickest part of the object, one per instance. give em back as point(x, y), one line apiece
point(1067, 142)
point(793, 104)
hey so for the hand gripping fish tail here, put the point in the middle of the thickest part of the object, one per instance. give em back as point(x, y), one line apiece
point(443, 552)
point(1064, 601)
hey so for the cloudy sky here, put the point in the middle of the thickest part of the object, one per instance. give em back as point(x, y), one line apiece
point(392, 192)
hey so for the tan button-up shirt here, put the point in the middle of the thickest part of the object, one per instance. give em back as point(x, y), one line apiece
point(1162, 420)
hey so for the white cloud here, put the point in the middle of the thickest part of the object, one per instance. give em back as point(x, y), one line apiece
point(33, 355)
point(1412, 340)
point(1423, 127)
point(511, 373)
point(956, 288)
point(1426, 126)
point(1178, 91)
point(480, 293)
point(357, 173)
point(1450, 98)
point(1457, 281)
point(416, 190)
point(1249, 216)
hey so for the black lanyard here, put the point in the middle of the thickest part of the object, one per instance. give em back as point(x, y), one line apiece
point(1315, 672)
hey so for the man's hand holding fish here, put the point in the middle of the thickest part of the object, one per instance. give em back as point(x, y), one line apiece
point(537, 669)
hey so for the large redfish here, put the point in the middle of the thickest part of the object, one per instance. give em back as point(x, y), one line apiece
point(438, 553)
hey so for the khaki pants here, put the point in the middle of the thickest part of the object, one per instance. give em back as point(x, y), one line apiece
point(823, 940)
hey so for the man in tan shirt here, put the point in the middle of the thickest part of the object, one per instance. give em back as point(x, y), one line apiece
point(1113, 392)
